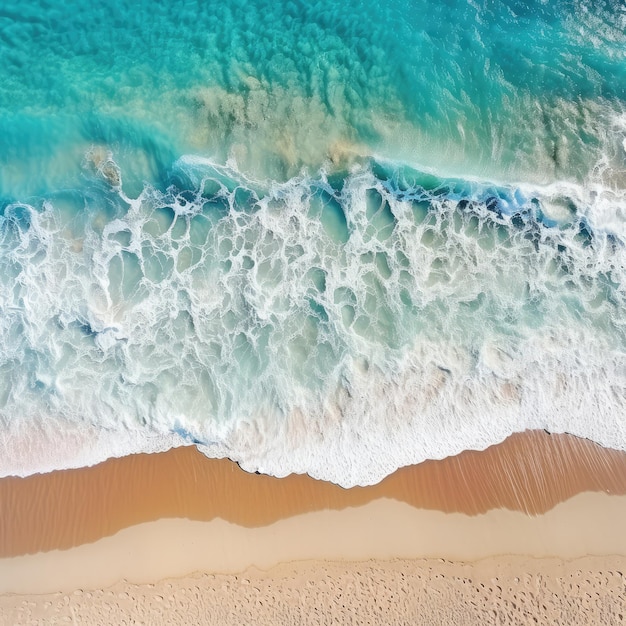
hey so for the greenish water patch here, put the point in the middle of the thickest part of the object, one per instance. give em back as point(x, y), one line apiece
point(522, 90)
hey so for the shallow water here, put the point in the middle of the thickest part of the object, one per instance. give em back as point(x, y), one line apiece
point(331, 238)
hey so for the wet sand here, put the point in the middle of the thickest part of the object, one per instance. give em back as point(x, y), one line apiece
point(148, 517)
point(529, 472)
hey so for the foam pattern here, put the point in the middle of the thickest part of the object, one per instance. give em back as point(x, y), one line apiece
point(341, 325)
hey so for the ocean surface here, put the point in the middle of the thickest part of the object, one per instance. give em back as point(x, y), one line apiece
point(333, 237)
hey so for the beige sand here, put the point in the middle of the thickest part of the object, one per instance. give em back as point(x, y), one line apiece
point(508, 591)
point(471, 508)
point(588, 524)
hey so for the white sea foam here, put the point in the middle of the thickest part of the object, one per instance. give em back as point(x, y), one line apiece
point(341, 330)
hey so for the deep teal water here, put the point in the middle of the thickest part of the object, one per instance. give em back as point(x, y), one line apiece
point(333, 237)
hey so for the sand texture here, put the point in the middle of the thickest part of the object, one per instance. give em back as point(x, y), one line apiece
point(527, 532)
point(509, 591)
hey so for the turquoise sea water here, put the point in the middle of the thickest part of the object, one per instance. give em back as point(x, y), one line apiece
point(332, 237)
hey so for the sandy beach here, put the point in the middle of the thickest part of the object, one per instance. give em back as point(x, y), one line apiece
point(531, 529)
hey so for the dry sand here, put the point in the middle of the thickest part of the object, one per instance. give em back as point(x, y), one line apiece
point(151, 517)
point(513, 590)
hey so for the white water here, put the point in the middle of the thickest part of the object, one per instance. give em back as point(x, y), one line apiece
point(342, 329)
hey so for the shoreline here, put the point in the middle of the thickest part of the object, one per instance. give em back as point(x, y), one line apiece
point(532, 508)
point(589, 524)
point(529, 472)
